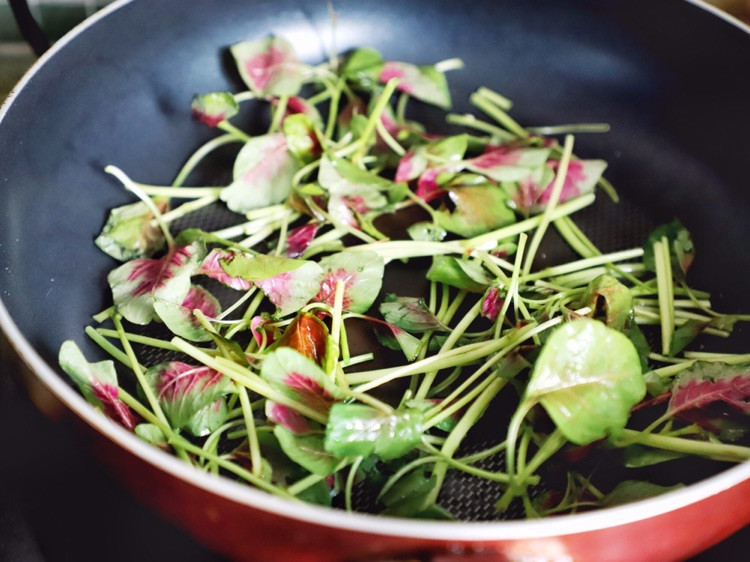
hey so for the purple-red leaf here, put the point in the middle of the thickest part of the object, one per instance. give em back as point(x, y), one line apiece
point(262, 174)
point(269, 66)
point(190, 396)
point(425, 83)
point(300, 378)
point(581, 178)
point(298, 239)
point(492, 303)
point(705, 384)
point(137, 284)
point(98, 383)
point(213, 108)
point(361, 272)
point(288, 418)
point(181, 320)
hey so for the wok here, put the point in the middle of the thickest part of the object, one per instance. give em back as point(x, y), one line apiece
point(671, 78)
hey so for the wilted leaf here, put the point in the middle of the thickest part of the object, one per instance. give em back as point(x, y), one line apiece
point(609, 300)
point(130, 231)
point(309, 336)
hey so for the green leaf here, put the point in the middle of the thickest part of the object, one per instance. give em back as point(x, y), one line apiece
point(258, 267)
point(587, 378)
point(610, 301)
point(269, 66)
point(341, 177)
point(262, 176)
point(300, 378)
point(359, 430)
point(424, 83)
point(130, 231)
point(97, 381)
point(192, 397)
point(637, 456)
point(360, 271)
point(400, 340)
point(362, 67)
point(407, 497)
point(301, 137)
point(635, 490)
point(180, 318)
point(214, 107)
point(151, 434)
point(459, 273)
point(478, 209)
point(307, 451)
point(426, 232)
point(681, 248)
point(410, 314)
point(685, 334)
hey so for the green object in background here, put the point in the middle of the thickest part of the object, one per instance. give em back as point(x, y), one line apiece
point(56, 18)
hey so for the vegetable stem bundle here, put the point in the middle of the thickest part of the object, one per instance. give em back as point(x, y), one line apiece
point(283, 362)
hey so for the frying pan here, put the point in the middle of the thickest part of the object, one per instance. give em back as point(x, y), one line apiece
point(671, 78)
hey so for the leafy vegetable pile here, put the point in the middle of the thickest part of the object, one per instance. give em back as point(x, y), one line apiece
point(265, 385)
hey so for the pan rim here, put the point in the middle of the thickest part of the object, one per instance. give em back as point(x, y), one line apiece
point(329, 517)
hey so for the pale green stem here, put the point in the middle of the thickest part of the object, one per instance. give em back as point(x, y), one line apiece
point(350, 483)
point(449, 342)
point(486, 105)
point(148, 391)
point(666, 297)
point(717, 451)
point(374, 117)
point(239, 134)
point(138, 191)
point(199, 155)
point(561, 173)
point(189, 207)
point(252, 436)
point(569, 129)
point(470, 121)
point(457, 434)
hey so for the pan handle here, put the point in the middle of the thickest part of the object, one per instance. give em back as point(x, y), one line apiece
point(30, 30)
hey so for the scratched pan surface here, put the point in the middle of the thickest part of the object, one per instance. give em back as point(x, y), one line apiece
point(671, 79)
